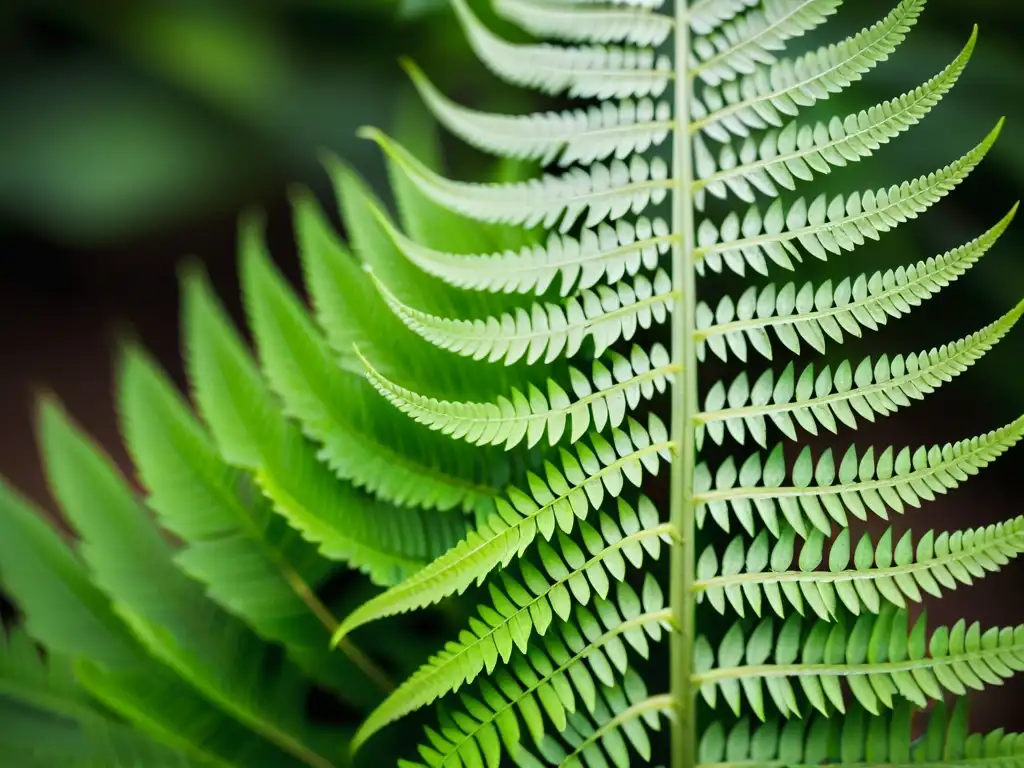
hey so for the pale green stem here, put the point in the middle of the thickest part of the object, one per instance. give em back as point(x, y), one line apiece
point(684, 408)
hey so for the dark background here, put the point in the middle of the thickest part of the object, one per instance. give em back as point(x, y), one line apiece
point(132, 132)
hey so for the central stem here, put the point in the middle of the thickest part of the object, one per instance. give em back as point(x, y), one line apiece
point(684, 409)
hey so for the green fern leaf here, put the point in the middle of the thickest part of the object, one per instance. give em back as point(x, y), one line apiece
point(566, 576)
point(861, 740)
point(69, 615)
point(833, 398)
point(603, 400)
point(878, 647)
point(251, 433)
point(580, 262)
point(577, 136)
point(590, 25)
point(550, 681)
point(131, 563)
point(892, 482)
point(760, 100)
point(46, 717)
point(554, 502)
point(595, 71)
point(798, 152)
point(547, 331)
point(816, 315)
point(235, 541)
point(748, 41)
point(339, 411)
point(824, 227)
point(880, 574)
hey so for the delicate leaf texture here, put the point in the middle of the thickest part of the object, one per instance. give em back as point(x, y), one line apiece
point(874, 656)
point(743, 137)
point(385, 541)
point(567, 575)
point(825, 226)
point(552, 680)
point(820, 493)
point(738, 47)
point(797, 152)
point(605, 254)
point(762, 99)
point(832, 398)
point(877, 574)
point(555, 501)
point(578, 136)
point(603, 399)
point(605, 191)
point(638, 26)
point(586, 71)
point(363, 441)
point(817, 315)
point(547, 331)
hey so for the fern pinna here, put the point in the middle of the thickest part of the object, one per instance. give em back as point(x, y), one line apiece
point(490, 381)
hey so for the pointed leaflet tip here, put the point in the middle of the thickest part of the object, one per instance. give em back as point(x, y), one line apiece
point(412, 69)
point(373, 134)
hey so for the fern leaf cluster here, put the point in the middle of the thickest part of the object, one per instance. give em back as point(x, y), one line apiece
point(475, 405)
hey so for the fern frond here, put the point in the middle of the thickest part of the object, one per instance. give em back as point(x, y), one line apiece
point(636, 25)
point(566, 575)
point(815, 315)
point(351, 311)
point(893, 481)
point(578, 262)
point(387, 542)
point(552, 680)
point(826, 226)
point(577, 136)
point(761, 100)
point(236, 545)
point(70, 616)
point(828, 399)
point(388, 457)
point(165, 610)
point(879, 662)
point(859, 740)
point(591, 195)
point(586, 71)
point(882, 572)
point(554, 502)
point(742, 45)
point(603, 399)
point(797, 152)
point(547, 331)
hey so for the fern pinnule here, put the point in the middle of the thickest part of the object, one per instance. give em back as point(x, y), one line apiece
point(828, 398)
point(798, 152)
point(885, 572)
point(817, 315)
